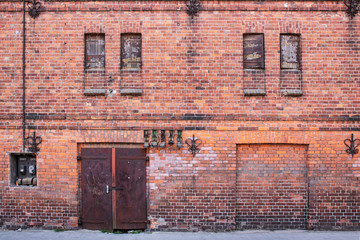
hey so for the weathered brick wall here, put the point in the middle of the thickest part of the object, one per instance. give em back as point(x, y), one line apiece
point(272, 186)
point(192, 78)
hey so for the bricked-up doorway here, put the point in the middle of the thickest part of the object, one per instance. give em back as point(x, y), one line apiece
point(113, 188)
point(272, 186)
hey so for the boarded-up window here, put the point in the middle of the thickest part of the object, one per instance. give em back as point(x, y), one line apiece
point(131, 51)
point(254, 51)
point(290, 51)
point(94, 51)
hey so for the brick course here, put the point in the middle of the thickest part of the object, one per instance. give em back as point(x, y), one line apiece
point(272, 186)
point(192, 79)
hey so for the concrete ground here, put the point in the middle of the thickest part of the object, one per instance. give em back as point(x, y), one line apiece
point(246, 235)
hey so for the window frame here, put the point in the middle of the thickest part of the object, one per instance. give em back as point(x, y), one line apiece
point(94, 69)
point(138, 69)
point(298, 54)
point(246, 63)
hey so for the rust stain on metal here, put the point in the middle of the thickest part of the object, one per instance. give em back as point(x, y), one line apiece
point(113, 189)
point(131, 212)
point(95, 177)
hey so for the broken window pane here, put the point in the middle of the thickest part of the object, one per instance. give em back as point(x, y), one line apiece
point(131, 51)
point(94, 51)
point(254, 51)
point(290, 51)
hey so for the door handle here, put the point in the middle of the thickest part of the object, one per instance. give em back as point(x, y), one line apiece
point(107, 188)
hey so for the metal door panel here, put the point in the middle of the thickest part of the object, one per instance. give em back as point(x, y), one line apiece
point(95, 184)
point(130, 189)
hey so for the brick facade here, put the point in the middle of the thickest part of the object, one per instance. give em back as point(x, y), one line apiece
point(272, 153)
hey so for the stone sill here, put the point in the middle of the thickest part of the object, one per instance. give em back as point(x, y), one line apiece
point(94, 92)
point(291, 93)
point(130, 91)
point(131, 70)
point(95, 70)
point(254, 92)
point(21, 153)
point(254, 70)
point(290, 70)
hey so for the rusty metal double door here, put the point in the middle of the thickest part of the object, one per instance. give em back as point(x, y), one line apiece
point(113, 188)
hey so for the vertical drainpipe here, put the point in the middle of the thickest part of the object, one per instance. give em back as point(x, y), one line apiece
point(23, 81)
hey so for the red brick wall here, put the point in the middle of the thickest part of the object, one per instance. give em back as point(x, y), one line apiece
point(192, 79)
point(271, 186)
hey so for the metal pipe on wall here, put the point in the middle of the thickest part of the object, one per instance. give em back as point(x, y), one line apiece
point(23, 80)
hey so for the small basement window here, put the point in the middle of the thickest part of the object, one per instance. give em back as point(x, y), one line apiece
point(23, 169)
